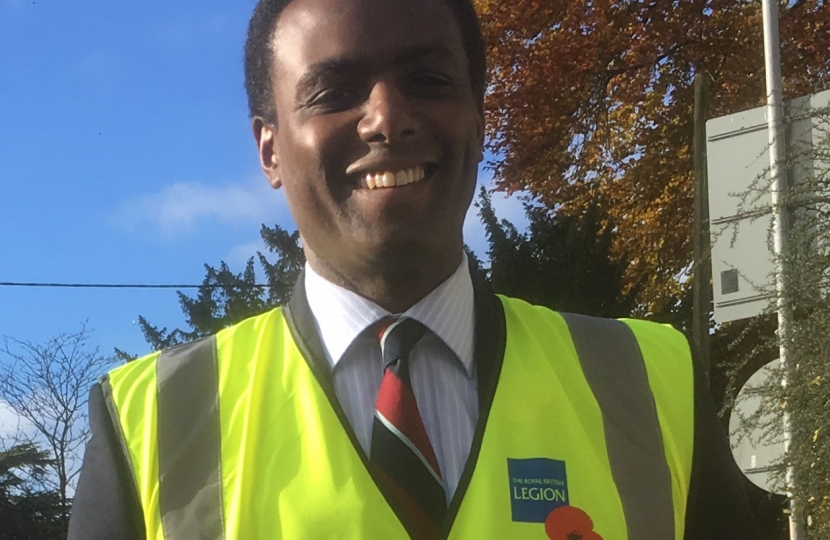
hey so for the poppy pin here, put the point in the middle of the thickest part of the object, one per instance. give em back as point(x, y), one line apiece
point(570, 523)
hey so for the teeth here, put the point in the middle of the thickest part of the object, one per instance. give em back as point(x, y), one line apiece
point(388, 179)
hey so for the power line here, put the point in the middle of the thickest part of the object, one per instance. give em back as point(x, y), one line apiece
point(119, 285)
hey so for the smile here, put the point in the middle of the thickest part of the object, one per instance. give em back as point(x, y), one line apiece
point(388, 179)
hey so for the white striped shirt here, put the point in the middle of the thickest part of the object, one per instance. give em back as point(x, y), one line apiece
point(441, 364)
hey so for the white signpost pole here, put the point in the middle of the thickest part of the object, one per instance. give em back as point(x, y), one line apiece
point(778, 168)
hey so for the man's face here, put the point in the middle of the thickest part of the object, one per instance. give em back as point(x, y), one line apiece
point(367, 91)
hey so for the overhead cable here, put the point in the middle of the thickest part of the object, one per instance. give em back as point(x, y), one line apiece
point(120, 285)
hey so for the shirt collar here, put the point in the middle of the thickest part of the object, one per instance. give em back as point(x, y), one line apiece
point(342, 315)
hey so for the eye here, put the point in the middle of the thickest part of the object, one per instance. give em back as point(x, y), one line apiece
point(430, 78)
point(328, 95)
point(333, 99)
point(429, 84)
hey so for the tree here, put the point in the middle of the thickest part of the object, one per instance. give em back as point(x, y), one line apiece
point(226, 298)
point(562, 262)
point(46, 384)
point(27, 510)
point(591, 103)
point(806, 394)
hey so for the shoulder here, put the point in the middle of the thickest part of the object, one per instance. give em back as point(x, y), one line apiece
point(145, 365)
point(653, 338)
point(659, 338)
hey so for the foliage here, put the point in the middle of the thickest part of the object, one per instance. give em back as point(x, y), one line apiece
point(19, 457)
point(562, 262)
point(46, 385)
point(226, 298)
point(27, 510)
point(592, 103)
point(806, 395)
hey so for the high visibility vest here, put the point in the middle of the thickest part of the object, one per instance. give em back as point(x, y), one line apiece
point(590, 432)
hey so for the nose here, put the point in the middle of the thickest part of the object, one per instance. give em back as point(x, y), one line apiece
point(388, 117)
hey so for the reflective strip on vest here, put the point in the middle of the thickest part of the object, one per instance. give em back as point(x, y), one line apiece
point(189, 442)
point(189, 439)
point(634, 439)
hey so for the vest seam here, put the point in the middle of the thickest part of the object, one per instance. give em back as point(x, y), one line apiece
point(489, 393)
point(687, 468)
point(653, 399)
point(158, 451)
point(324, 383)
point(112, 412)
point(215, 357)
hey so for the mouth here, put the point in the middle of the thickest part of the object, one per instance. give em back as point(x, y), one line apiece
point(398, 178)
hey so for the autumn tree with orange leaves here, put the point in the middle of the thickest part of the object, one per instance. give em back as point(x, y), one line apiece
point(593, 101)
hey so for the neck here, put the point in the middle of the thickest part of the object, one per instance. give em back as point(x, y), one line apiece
point(394, 287)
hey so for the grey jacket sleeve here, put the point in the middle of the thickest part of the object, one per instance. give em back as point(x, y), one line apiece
point(718, 507)
point(106, 505)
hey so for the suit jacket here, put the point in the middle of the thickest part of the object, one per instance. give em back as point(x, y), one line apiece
point(106, 504)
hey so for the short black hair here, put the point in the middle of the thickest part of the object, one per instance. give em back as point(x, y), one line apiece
point(259, 53)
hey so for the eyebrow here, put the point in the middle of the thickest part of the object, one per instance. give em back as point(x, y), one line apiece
point(338, 65)
point(419, 52)
point(321, 70)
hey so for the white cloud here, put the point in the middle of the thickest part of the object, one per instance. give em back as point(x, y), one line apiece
point(178, 208)
point(10, 422)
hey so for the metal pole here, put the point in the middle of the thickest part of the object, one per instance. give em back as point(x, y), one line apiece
point(778, 190)
point(702, 285)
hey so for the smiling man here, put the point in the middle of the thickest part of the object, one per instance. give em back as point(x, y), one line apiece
point(395, 397)
point(375, 132)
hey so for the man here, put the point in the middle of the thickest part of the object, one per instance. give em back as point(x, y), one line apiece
point(463, 415)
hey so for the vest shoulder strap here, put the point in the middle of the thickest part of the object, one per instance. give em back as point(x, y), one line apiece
point(189, 442)
point(615, 370)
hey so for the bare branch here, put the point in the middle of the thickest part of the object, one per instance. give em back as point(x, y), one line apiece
point(46, 385)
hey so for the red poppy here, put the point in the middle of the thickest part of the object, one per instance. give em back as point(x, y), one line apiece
point(570, 523)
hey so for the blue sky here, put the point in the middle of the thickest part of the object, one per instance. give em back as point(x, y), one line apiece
point(126, 157)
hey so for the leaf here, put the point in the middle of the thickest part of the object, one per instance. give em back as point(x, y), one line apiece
point(592, 103)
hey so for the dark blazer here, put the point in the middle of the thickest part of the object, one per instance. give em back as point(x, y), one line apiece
point(106, 505)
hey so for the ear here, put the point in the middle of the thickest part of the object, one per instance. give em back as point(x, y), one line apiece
point(480, 130)
point(266, 142)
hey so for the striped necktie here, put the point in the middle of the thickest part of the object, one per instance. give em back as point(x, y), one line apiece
point(401, 453)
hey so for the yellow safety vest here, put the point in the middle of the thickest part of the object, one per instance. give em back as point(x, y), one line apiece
point(590, 432)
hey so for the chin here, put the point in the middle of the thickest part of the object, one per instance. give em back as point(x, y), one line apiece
point(409, 254)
